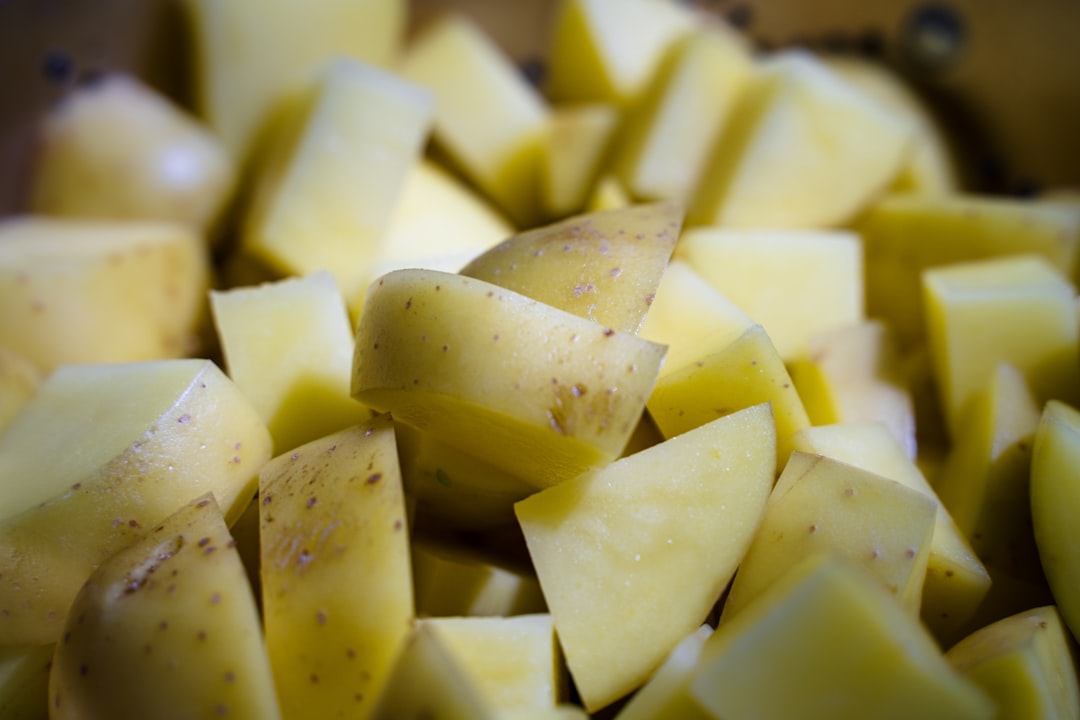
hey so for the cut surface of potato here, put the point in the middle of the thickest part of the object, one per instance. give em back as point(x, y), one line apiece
point(631, 558)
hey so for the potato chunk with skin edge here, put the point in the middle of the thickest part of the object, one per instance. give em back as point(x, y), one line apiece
point(539, 392)
point(604, 266)
point(336, 580)
point(152, 435)
point(166, 628)
point(652, 540)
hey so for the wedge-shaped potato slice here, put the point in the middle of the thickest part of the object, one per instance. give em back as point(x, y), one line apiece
point(667, 694)
point(1018, 310)
point(336, 585)
point(607, 50)
point(905, 234)
point(575, 149)
point(488, 118)
point(804, 148)
point(24, 681)
point(930, 167)
point(84, 291)
point(288, 346)
point(665, 140)
point(1024, 663)
point(827, 642)
point(119, 150)
point(19, 379)
point(167, 627)
point(854, 373)
point(984, 481)
point(1055, 497)
point(533, 390)
point(427, 681)
point(654, 538)
point(513, 661)
point(326, 192)
point(761, 271)
point(451, 583)
point(250, 56)
point(822, 504)
point(150, 435)
point(719, 361)
point(603, 266)
point(956, 580)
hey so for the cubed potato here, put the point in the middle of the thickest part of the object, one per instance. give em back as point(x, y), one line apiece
point(288, 346)
point(24, 680)
point(1024, 663)
point(655, 537)
point(665, 140)
point(513, 661)
point(19, 379)
point(252, 55)
point(488, 119)
point(667, 693)
point(86, 291)
point(826, 642)
point(473, 364)
point(118, 150)
point(905, 234)
point(956, 580)
point(1018, 310)
point(575, 149)
point(326, 192)
point(449, 583)
point(719, 361)
point(796, 284)
point(607, 50)
point(804, 148)
point(167, 623)
point(336, 584)
point(150, 436)
point(822, 504)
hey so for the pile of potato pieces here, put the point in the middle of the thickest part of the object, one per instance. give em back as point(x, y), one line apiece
point(518, 378)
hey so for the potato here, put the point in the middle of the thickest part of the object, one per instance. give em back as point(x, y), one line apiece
point(664, 141)
point(1055, 495)
point(326, 191)
point(804, 148)
point(654, 537)
point(719, 361)
point(250, 56)
point(843, 648)
point(607, 50)
point(84, 291)
point(667, 695)
point(488, 119)
point(1018, 310)
point(19, 379)
point(427, 681)
point(336, 586)
point(1024, 663)
point(905, 234)
point(118, 150)
point(513, 661)
point(303, 326)
point(762, 270)
point(24, 681)
point(150, 435)
point(602, 266)
point(821, 504)
point(472, 363)
point(166, 628)
point(575, 148)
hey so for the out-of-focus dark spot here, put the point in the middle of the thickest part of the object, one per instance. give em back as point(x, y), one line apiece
point(534, 70)
point(57, 66)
